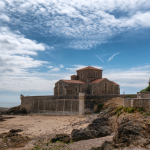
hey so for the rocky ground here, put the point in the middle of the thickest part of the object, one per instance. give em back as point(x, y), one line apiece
point(112, 128)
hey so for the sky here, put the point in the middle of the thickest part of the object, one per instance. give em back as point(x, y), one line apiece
point(43, 41)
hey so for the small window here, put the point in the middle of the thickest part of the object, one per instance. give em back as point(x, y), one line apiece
point(76, 90)
point(94, 74)
point(81, 74)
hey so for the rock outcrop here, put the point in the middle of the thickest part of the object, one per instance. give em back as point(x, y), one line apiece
point(98, 128)
point(130, 132)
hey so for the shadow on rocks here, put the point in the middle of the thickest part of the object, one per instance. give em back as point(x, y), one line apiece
point(129, 133)
point(61, 137)
point(98, 128)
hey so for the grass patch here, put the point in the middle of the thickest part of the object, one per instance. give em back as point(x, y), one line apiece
point(119, 108)
point(129, 110)
point(118, 114)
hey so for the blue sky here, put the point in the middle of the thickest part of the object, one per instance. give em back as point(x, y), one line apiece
point(44, 41)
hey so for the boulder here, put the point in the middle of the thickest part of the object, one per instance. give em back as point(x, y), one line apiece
point(82, 134)
point(98, 128)
point(131, 131)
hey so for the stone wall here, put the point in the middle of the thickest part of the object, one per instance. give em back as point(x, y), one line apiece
point(69, 88)
point(97, 88)
point(67, 104)
point(89, 75)
point(137, 102)
point(91, 100)
point(53, 105)
point(143, 94)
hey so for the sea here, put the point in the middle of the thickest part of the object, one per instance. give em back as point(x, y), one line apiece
point(9, 104)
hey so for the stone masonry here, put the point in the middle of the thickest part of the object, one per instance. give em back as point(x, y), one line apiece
point(89, 81)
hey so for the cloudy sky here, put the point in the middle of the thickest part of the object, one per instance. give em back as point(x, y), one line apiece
point(43, 41)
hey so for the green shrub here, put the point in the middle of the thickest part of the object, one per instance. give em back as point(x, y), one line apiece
point(140, 109)
point(125, 109)
point(118, 114)
point(130, 110)
point(119, 108)
point(146, 89)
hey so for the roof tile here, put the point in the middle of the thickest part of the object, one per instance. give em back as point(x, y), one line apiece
point(114, 83)
point(97, 80)
point(74, 81)
point(89, 67)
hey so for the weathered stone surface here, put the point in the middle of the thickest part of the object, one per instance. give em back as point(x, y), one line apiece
point(98, 128)
point(130, 132)
point(81, 134)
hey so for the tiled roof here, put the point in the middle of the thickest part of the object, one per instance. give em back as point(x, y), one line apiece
point(114, 83)
point(74, 81)
point(90, 68)
point(97, 80)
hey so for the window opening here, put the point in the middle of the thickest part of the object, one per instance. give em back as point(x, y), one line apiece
point(76, 90)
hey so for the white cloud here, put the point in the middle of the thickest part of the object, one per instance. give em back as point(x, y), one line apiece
point(61, 66)
point(113, 56)
point(99, 58)
point(2, 5)
point(50, 66)
point(15, 51)
point(11, 43)
point(133, 77)
point(55, 69)
point(88, 23)
point(4, 17)
point(18, 84)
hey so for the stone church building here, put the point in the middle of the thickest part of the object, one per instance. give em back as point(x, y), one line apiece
point(89, 81)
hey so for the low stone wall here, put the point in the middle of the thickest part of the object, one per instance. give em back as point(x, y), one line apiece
point(126, 102)
point(137, 102)
point(67, 104)
point(53, 105)
point(143, 94)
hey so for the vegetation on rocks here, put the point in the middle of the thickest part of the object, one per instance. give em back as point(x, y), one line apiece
point(146, 89)
point(121, 109)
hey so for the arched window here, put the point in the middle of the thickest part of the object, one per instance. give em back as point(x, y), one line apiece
point(81, 74)
point(61, 89)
